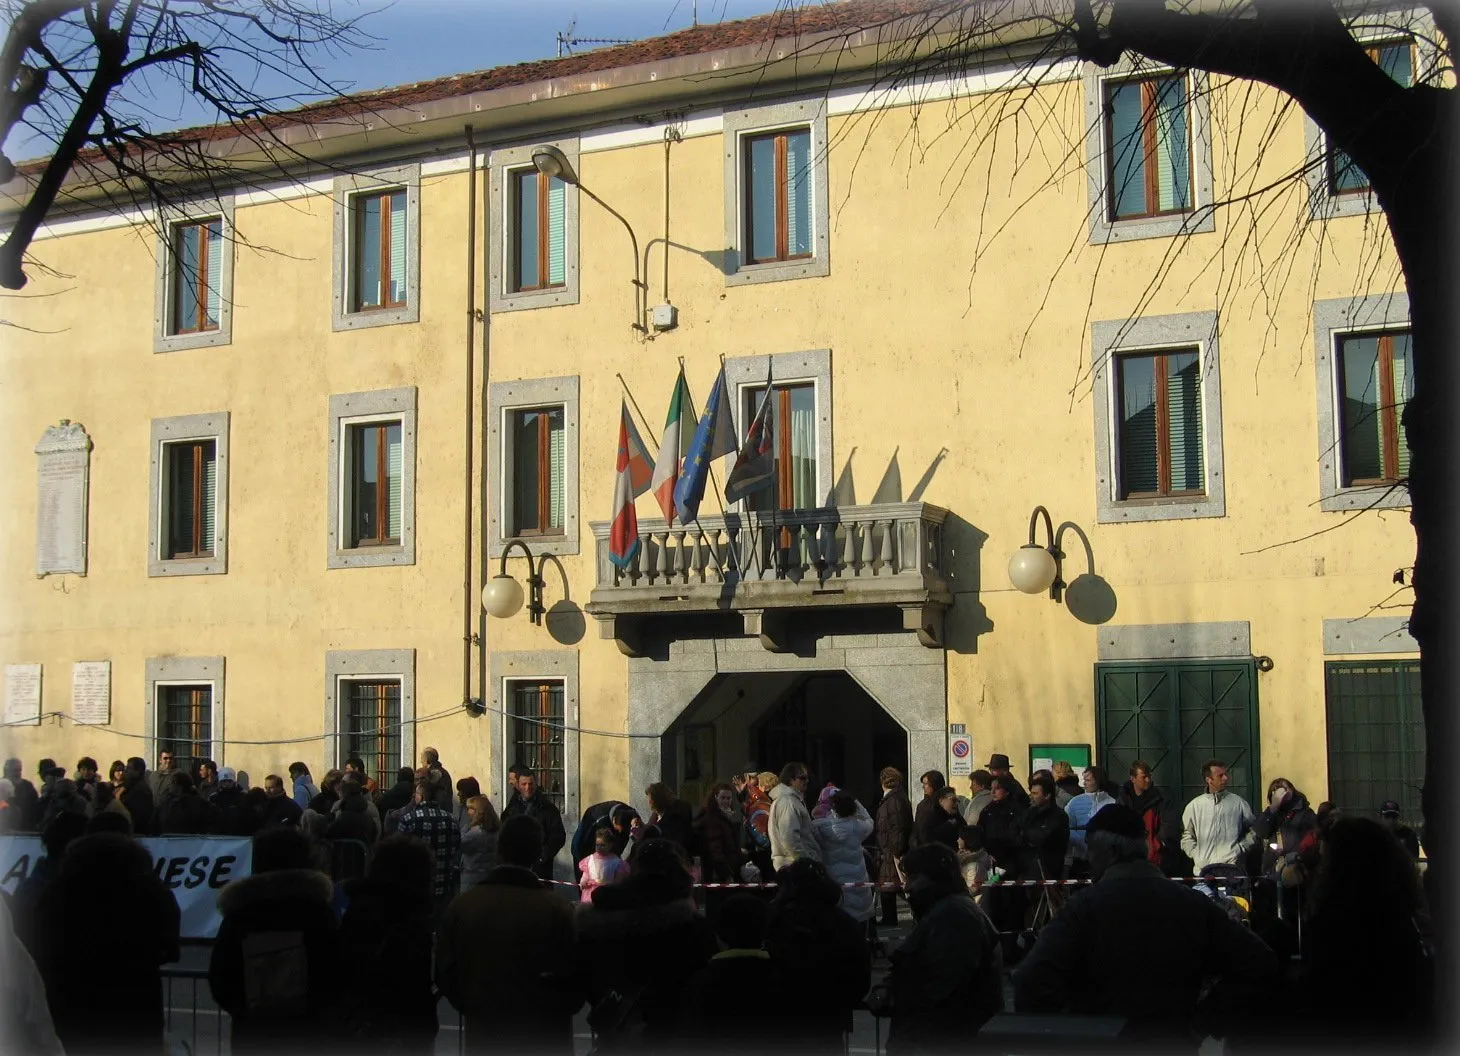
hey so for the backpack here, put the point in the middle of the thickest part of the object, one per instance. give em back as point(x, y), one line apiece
point(275, 974)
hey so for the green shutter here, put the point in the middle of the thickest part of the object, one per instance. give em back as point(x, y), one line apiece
point(1127, 170)
point(1173, 147)
point(555, 470)
point(394, 484)
point(1376, 735)
point(398, 247)
point(798, 192)
point(1137, 425)
point(1403, 392)
point(557, 232)
point(214, 233)
point(1183, 401)
point(210, 496)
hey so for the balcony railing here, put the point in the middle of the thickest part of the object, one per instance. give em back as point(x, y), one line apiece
point(890, 554)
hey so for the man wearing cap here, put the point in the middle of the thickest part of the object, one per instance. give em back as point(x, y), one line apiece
point(998, 766)
point(1137, 945)
point(1389, 815)
point(1216, 826)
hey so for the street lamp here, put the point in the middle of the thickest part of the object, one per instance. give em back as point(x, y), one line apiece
point(1034, 569)
point(502, 595)
point(554, 164)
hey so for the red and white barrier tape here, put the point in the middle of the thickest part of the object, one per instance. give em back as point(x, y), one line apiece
point(988, 884)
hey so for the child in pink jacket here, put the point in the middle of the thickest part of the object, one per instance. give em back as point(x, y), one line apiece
point(601, 867)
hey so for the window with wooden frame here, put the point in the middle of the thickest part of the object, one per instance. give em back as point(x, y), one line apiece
point(378, 258)
point(373, 502)
point(793, 418)
point(778, 209)
point(185, 723)
point(1159, 424)
point(538, 231)
point(537, 470)
point(190, 499)
point(372, 726)
point(535, 734)
point(196, 279)
point(1375, 381)
point(1396, 58)
point(1148, 147)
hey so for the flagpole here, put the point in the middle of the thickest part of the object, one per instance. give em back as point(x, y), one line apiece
point(630, 394)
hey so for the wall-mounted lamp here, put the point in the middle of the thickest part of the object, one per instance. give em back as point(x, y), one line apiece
point(554, 164)
point(502, 595)
point(1035, 569)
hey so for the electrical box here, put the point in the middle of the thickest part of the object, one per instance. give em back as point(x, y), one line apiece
point(664, 316)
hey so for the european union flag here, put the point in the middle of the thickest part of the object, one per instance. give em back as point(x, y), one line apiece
point(714, 438)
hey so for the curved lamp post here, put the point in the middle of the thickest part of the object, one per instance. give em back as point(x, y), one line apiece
point(1034, 569)
point(554, 164)
point(502, 595)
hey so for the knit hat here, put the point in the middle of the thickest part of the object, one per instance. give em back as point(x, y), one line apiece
point(823, 801)
point(1116, 819)
point(1389, 809)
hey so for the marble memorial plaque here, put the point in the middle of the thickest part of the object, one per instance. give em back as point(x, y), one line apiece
point(23, 694)
point(91, 692)
point(63, 468)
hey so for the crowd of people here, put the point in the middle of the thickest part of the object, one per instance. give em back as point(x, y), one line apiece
point(455, 900)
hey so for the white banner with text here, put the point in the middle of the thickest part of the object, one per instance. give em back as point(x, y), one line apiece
point(194, 868)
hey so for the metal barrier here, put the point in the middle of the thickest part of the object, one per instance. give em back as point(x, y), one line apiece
point(201, 1027)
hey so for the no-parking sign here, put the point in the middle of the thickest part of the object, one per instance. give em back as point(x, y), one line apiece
point(960, 750)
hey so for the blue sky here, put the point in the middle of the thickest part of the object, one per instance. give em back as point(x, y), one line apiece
point(418, 40)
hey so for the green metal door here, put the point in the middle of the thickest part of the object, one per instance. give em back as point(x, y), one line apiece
point(1176, 716)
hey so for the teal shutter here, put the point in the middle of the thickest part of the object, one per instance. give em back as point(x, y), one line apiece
point(398, 247)
point(1139, 472)
point(210, 496)
point(395, 481)
point(557, 232)
point(214, 234)
point(1173, 147)
point(1127, 152)
point(798, 193)
point(1183, 402)
point(1403, 392)
point(761, 195)
point(1363, 456)
point(555, 470)
point(367, 252)
point(185, 279)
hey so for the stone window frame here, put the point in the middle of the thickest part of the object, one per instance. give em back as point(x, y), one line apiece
point(408, 177)
point(215, 427)
point(1155, 333)
point(1202, 216)
point(1333, 319)
point(814, 365)
point(381, 665)
point(737, 126)
point(550, 664)
point(1369, 636)
point(1379, 27)
point(163, 339)
point(500, 219)
point(188, 671)
point(353, 408)
point(506, 396)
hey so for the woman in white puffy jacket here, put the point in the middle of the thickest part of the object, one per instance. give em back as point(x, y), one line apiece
point(840, 835)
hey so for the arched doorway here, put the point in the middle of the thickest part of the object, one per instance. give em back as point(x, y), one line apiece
point(761, 721)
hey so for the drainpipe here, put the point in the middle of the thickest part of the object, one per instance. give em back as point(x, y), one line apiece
point(468, 595)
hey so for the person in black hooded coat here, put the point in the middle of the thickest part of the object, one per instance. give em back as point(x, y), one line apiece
point(107, 897)
point(813, 942)
point(645, 938)
point(386, 936)
point(926, 814)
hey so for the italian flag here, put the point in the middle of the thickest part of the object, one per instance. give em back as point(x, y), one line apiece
point(623, 536)
point(679, 429)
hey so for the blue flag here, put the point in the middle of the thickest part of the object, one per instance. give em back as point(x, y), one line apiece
point(714, 438)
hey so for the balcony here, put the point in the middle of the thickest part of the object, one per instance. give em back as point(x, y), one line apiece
point(765, 567)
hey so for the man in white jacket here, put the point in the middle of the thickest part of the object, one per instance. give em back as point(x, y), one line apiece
point(1216, 827)
point(792, 834)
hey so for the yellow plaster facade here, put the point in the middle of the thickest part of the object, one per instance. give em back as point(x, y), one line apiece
point(958, 312)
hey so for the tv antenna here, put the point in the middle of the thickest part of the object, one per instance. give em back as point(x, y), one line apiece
point(567, 41)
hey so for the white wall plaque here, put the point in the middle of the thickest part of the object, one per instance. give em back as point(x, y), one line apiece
point(63, 469)
point(23, 694)
point(91, 692)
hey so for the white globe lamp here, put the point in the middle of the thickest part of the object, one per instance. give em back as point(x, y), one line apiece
point(502, 597)
point(1032, 569)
